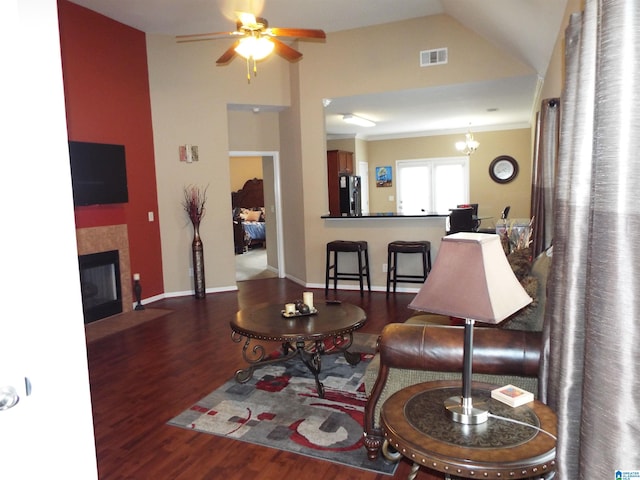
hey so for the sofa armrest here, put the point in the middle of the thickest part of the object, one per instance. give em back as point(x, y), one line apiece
point(441, 349)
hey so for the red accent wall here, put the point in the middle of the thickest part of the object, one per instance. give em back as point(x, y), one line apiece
point(104, 64)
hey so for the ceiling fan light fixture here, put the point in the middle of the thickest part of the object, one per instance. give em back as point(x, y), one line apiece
point(255, 48)
point(355, 120)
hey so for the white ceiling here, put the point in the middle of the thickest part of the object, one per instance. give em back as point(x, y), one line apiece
point(526, 29)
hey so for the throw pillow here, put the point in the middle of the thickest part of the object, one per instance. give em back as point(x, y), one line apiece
point(253, 216)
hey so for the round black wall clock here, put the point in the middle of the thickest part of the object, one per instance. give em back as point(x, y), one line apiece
point(503, 169)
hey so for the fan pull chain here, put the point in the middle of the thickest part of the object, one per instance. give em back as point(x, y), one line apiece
point(255, 69)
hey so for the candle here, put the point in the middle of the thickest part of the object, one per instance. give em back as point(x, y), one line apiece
point(290, 308)
point(307, 299)
point(136, 277)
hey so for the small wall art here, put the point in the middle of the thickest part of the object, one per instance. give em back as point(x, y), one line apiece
point(384, 177)
point(188, 153)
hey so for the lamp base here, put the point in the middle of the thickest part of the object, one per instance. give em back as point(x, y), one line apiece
point(466, 411)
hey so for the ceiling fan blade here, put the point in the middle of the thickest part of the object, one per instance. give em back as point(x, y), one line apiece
point(228, 55)
point(199, 37)
point(297, 32)
point(286, 51)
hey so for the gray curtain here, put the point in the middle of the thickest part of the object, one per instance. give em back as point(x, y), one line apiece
point(592, 322)
point(544, 173)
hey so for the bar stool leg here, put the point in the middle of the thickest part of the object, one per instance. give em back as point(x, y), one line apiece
point(366, 262)
point(424, 265)
point(360, 271)
point(335, 270)
point(326, 274)
point(395, 271)
point(389, 267)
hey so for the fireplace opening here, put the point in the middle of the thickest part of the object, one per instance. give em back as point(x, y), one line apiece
point(100, 285)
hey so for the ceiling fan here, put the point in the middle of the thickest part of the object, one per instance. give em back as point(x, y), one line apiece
point(256, 40)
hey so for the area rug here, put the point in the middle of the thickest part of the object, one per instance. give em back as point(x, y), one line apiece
point(279, 408)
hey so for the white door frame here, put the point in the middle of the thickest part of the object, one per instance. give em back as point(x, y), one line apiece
point(277, 198)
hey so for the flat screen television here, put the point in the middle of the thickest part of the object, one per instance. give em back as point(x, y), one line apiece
point(98, 173)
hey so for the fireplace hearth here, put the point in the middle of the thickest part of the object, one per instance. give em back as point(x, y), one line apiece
point(100, 285)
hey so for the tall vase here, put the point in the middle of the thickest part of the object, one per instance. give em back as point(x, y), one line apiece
point(198, 261)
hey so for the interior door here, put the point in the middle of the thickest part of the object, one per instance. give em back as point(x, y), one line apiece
point(47, 433)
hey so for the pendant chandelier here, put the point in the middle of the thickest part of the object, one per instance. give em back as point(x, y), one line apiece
point(469, 145)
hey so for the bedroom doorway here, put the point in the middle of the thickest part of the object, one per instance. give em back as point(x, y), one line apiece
point(259, 259)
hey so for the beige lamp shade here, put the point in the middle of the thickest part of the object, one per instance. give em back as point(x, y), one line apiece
point(471, 279)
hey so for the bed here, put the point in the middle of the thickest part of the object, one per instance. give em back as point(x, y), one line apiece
point(248, 216)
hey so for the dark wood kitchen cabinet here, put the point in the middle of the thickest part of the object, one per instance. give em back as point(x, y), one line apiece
point(338, 161)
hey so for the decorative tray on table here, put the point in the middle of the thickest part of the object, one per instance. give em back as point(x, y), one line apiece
point(295, 314)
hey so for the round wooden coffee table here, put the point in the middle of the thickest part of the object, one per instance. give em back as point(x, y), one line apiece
point(302, 336)
point(416, 426)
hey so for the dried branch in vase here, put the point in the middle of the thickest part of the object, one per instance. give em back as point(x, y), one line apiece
point(194, 201)
point(519, 234)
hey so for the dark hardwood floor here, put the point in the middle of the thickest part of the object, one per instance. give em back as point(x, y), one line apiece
point(142, 377)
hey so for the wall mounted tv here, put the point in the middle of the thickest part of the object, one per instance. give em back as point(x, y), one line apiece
point(98, 173)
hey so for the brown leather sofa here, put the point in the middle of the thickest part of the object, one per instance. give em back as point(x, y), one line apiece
point(435, 352)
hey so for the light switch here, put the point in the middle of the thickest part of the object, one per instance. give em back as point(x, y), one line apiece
point(151, 216)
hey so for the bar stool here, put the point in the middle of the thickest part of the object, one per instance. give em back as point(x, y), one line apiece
point(361, 249)
point(400, 246)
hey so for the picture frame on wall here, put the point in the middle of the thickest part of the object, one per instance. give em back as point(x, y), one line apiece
point(384, 177)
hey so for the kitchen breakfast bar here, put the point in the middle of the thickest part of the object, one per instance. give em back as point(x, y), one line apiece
point(380, 229)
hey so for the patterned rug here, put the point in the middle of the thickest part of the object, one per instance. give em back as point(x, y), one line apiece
point(279, 408)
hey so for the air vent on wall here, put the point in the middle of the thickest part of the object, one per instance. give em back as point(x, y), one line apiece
point(429, 58)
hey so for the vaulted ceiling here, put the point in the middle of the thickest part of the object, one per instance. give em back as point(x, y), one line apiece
point(526, 29)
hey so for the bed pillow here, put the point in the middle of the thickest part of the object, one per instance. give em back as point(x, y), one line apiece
point(242, 213)
point(253, 216)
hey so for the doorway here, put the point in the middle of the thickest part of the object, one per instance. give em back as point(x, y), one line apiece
point(268, 261)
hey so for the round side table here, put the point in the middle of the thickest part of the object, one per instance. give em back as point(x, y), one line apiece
point(415, 424)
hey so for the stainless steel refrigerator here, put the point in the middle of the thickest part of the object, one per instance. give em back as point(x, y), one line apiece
point(350, 195)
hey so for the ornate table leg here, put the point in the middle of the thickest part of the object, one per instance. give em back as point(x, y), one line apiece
point(313, 362)
point(353, 358)
point(414, 471)
point(390, 453)
point(258, 357)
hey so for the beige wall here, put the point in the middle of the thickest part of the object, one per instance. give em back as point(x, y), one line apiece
point(346, 144)
point(189, 102)
point(189, 97)
point(252, 132)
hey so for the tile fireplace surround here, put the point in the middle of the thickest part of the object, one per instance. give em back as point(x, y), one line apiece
point(103, 239)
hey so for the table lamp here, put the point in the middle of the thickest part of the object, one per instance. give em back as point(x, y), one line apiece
point(471, 279)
